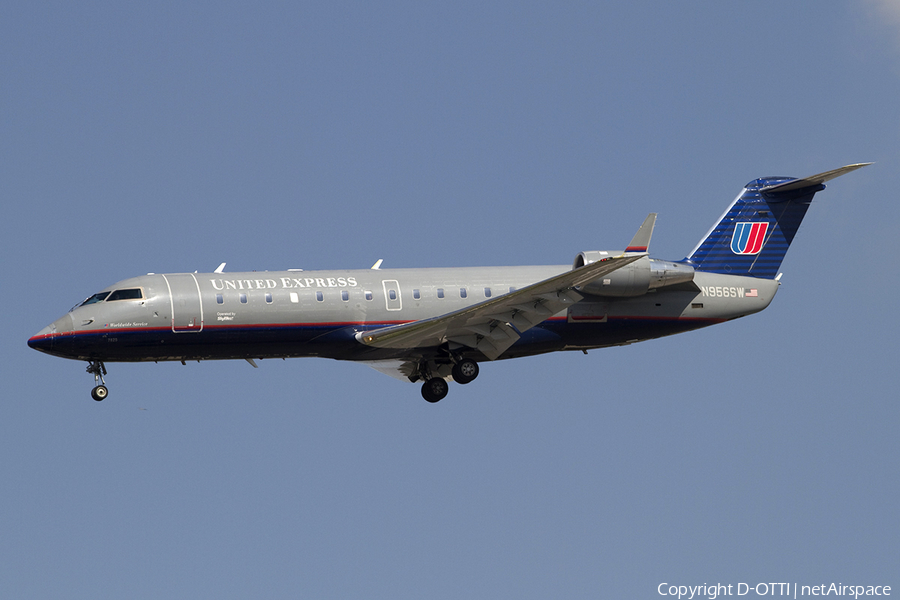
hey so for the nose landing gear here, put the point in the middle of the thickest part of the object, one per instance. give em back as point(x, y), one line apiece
point(98, 370)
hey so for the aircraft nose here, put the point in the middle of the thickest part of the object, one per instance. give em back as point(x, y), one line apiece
point(43, 339)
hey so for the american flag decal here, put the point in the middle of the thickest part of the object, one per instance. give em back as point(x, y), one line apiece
point(751, 293)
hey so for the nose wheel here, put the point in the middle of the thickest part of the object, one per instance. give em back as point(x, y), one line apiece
point(98, 370)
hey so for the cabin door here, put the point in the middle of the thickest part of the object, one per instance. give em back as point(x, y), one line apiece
point(187, 311)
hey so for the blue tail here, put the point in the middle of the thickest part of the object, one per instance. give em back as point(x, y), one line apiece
point(755, 232)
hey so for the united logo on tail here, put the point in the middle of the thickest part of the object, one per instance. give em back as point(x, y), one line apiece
point(748, 238)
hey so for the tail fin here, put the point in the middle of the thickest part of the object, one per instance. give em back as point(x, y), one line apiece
point(753, 235)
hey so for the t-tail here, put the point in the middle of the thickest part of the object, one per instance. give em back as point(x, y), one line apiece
point(755, 232)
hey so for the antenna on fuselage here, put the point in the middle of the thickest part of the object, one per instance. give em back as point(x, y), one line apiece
point(377, 264)
point(220, 268)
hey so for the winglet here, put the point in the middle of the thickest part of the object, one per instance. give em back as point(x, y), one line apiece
point(641, 240)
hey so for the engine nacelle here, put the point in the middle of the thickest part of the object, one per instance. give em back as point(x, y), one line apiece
point(634, 279)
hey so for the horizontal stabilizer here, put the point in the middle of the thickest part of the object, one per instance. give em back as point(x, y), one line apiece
point(812, 180)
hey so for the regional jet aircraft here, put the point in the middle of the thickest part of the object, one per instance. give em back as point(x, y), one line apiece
point(437, 325)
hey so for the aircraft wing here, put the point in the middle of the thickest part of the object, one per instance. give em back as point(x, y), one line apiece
point(494, 325)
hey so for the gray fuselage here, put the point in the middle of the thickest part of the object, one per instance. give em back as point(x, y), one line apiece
point(204, 316)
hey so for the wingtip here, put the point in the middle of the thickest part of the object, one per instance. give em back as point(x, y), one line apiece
point(641, 240)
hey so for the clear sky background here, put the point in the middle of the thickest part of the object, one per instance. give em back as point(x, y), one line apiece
point(173, 136)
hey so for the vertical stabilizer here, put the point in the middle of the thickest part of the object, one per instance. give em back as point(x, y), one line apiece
point(754, 234)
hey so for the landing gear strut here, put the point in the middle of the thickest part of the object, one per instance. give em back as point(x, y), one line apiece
point(98, 370)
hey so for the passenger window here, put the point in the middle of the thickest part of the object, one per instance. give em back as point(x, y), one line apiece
point(393, 294)
point(345, 295)
point(368, 295)
point(440, 292)
point(133, 294)
point(295, 298)
point(320, 296)
point(462, 292)
point(220, 299)
point(487, 292)
point(243, 298)
point(416, 294)
point(268, 297)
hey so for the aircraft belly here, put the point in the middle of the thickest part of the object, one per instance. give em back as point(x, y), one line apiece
point(558, 334)
point(211, 344)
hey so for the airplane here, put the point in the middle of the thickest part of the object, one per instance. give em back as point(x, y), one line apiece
point(437, 325)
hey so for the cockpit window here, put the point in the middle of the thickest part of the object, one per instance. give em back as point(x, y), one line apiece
point(131, 294)
point(95, 298)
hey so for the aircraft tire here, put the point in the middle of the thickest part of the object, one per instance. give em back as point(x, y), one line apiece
point(465, 371)
point(435, 389)
point(99, 393)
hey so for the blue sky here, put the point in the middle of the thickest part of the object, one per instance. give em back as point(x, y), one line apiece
point(175, 136)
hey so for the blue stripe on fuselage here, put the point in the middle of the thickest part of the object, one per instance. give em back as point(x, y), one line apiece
point(336, 339)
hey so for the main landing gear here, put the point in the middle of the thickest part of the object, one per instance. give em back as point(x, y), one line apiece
point(435, 387)
point(98, 370)
point(465, 371)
